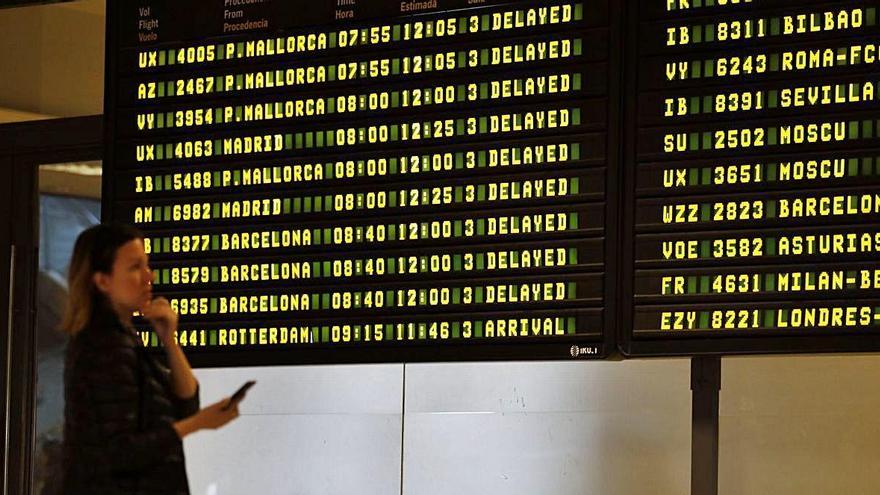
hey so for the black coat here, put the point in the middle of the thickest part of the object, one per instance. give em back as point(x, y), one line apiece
point(118, 415)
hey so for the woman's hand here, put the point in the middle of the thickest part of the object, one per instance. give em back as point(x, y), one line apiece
point(208, 418)
point(163, 319)
point(214, 416)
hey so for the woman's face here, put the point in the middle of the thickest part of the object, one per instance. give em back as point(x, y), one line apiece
point(130, 283)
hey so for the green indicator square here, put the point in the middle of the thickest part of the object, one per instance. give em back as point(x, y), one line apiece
point(481, 192)
point(484, 57)
point(168, 150)
point(576, 82)
point(771, 246)
point(455, 330)
point(165, 213)
point(576, 116)
point(481, 262)
point(774, 26)
point(307, 204)
point(162, 56)
point(325, 301)
point(394, 133)
point(576, 151)
point(157, 246)
point(310, 139)
point(705, 213)
point(695, 141)
point(867, 166)
point(323, 234)
point(696, 69)
point(456, 295)
point(218, 115)
point(697, 34)
point(160, 152)
point(172, 58)
point(456, 260)
point(710, 68)
point(575, 185)
point(481, 159)
point(704, 249)
point(318, 204)
point(484, 125)
point(772, 136)
point(704, 320)
point(459, 127)
point(215, 242)
point(462, 59)
point(481, 227)
point(392, 234)
point(154, 340)
point(853, 130)
point(771, 209)
point(212, 338)
point(853, 167)
point(692, 284)
point(331, 42)
point(572, 256)
point(771, 171)
point(578, 12)
point(167, 182)
point(392, 265)
point(774, 62)
point(320, 140)
point(484, 91)
point(331, 105)
point(462, 24)
point(573, 220)
point(769, 318)
point(458, 195)
point(166, 276)
point(389, 295)
point(161, 88)
point(288, 141)
point(695, 104)
point(392, 166)
point(868, 129)
point(395, 66)
point(213, 308)
point(395, 99)
point(394, 202)
point(325, 334)
point(710, 33)
point(772, 98)
point(479, 295)
point(215, 274)
point(484, 21)
point(460, 93)
point(707, 176)
point(478, 329)
point(578, 47)
point(331, 73)
point(457, 229)
point(330, 138)
point(160, 120)
point(286, 206)
point(871, 16)
point(572, 291)
point(215, 210)
point(299, 140)
point(769, 282)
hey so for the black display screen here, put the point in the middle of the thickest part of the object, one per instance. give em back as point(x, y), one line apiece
point(357, 181)
point(752, 177)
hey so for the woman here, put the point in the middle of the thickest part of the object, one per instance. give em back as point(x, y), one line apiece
point(125, 412)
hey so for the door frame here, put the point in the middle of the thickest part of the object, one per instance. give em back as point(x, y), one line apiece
point(23, 148)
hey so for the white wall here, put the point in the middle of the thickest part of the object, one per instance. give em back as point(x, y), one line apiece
point(789, 425)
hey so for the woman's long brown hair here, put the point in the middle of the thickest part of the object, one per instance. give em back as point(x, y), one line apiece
point(94, 251)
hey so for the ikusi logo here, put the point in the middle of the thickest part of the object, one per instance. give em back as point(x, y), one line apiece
point(576, 351)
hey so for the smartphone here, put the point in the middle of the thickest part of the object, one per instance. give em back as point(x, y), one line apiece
point(239, 394)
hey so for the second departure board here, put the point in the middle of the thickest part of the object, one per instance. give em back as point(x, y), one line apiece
point(365, 180)
point(752, 177)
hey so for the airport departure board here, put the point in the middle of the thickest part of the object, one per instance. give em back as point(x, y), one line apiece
point(371, 180)
point(752, 177)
